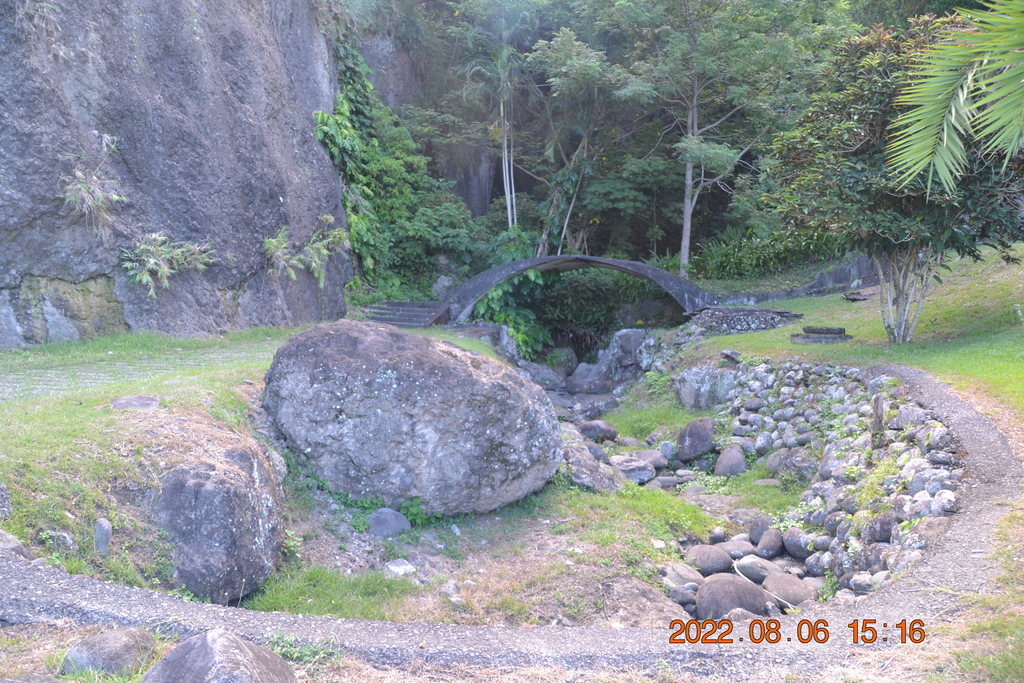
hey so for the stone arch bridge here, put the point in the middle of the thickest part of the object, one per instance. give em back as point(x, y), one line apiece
point(461, 299)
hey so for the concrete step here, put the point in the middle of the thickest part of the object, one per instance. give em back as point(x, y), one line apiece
point(408, 313)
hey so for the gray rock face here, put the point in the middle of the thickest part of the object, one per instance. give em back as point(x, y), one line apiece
point(120, 651)
point(380, 412)
point(386, 522)
point(701, 387)
point(721, 594)
point(211, 107)
point(219, 656)
point(619, 363)
point(543, 375)
point(696, 439)
point(224, 520)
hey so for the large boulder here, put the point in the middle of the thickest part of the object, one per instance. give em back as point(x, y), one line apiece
point(701, 387)
point(223, 517)
point(376, 411)
point(220, 656)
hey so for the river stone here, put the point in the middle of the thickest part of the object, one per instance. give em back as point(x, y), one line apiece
point(770, 544)
point(696, 439)
point(680, 574)
point(376, 411)
point(736, 549)
point(135, 403)
point(8, 543)
point(101, 536)
point(708, 559)
point(788, 588)
point(219, 656)
point(599, 430)
point(636, 470)
point(878, 528)
point(798, 543)
point(386, 522)
point(757, 527)
point(223, 517)
point(723, 593)
point(657, 460)
point(756, 568)
point(730, 462)
point(121, 651)
point(588, 472)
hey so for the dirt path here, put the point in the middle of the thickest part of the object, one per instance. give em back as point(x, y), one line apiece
point(956, 566)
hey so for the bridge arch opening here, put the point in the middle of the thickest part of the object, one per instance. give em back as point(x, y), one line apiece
point(463, 298)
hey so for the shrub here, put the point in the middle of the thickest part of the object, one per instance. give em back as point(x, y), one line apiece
point(155, 258)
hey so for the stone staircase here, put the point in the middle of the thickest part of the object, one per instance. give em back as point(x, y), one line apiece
point(408, 313)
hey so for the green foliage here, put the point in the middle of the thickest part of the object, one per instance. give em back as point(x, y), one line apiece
point(833, 176)
point(314, 657)
point(154, 258)
point(754, 256)
point(505, 304)
point(965, 85)
point(578, 308)
point(283, 257)
point(291, 546)
point(87, 189)
point(414, 512)
point(830, 587)
point(400, 219)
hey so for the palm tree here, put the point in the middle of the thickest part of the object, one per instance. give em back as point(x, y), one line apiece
point(497, 74)
point(968, 86)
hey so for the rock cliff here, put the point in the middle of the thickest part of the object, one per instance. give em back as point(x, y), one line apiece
point(121, 118)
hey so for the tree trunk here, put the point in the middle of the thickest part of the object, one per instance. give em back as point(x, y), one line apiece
point(689, 201)
point(904, 278)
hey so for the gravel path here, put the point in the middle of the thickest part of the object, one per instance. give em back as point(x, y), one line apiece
point(932, 592)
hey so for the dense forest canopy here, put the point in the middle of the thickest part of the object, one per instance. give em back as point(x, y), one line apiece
point(637, 129)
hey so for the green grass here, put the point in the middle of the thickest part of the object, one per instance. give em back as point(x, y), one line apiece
point(648, 405)
point(968, 334)
point(776, 500)
point(325, 592)
point(454, 337)
point(608, 519)
point(997, 637)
